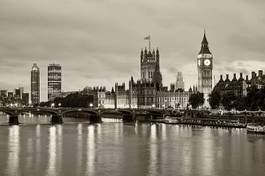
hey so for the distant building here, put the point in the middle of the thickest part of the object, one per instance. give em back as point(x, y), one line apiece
point(10, 94)
point(145, 95)
point(19, 92)
point(65, 94)
point(98, 95)
point(54, 81)
point(178, 99)
point(3, 93)
point(238, 87)
point(35, 84)
point(110, 99)
point(179, 82)
point(25, 99)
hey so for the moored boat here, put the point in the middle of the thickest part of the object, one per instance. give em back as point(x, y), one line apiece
point(255, 128)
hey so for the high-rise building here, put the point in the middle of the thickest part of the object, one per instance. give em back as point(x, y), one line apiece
point(205, 67)
point(35, 84)
point(179, 81)
point(54, 81)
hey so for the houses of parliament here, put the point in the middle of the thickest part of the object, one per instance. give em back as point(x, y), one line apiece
point(149, 91)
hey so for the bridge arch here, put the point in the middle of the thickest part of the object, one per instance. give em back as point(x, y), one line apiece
point(13, 115)
point(95, 114)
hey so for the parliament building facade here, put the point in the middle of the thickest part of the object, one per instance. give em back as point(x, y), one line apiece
point(148, 91)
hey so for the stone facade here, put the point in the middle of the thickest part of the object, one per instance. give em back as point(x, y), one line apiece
point(238, 86)
point(179, 82)
point(148, 92)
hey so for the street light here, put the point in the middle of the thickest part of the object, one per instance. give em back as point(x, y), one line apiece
point(90, 105)
point(52, 105)
point(153, 105)
point(59, 104)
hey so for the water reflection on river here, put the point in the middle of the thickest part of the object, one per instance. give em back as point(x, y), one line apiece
point(115, 148)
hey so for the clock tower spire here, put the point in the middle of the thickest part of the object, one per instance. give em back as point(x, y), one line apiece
point(205, 67)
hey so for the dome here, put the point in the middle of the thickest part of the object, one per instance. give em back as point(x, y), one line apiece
point(35, 67)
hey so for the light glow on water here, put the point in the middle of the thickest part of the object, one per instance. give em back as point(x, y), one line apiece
point(153, 151)
point(14, 150)
point(128, 149)
point(51, 169)
point(79, 148)
point(38, 147)
point(90, 155)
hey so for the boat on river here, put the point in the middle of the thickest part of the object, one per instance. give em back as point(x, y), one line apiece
point(255, 128)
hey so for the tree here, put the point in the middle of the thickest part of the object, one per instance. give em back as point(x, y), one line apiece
point(240, 103)
point(251, 100)
point(228, 100)
point(74, 100)
point(196, 99)
point(214, 99)
point(260, 98)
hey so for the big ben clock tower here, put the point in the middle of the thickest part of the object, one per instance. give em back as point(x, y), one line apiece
point(205, 67)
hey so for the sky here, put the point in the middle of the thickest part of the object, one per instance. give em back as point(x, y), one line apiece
point(98, 42)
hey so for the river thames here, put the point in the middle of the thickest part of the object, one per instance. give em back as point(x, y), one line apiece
point(115, 148)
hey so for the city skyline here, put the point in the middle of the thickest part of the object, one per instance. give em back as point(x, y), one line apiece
point(80, 43)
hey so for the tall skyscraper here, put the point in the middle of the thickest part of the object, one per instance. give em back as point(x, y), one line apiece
point(205, 67)
point(179, 81)
point(54, 81)
point(35, 84)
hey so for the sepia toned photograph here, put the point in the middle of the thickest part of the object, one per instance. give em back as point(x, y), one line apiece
point(132, 87)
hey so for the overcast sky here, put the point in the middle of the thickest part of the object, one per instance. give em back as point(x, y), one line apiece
point(98, 42)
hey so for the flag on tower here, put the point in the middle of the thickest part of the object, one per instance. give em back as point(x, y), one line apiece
point(147, 37)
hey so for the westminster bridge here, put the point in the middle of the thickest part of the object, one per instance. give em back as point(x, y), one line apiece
point(95, 115)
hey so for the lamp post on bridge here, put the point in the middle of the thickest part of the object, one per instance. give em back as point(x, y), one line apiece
point(90, 105)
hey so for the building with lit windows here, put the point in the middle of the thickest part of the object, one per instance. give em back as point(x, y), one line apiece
point(54, 81)
point(35, 84)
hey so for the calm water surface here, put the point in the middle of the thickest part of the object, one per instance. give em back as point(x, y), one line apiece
point(113, 148)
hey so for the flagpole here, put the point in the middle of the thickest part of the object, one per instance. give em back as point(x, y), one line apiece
point(149, 42)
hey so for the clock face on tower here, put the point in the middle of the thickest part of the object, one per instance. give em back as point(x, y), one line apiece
point(207, 62)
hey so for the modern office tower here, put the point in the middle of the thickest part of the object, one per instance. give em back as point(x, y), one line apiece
point(54, 81)
point(179, 81)
point(35, 84)
point(205, 67)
